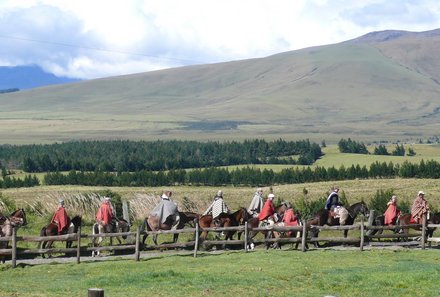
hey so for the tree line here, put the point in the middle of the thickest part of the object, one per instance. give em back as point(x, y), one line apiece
point(246, 176)
point(132, 156)
point(354, 147)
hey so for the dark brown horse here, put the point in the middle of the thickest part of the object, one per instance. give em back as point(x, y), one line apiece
point(322, 218)
point(151, 223)
point(51, 229)
point(225, 220)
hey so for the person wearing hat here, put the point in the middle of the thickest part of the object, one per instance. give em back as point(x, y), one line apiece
point(392, 212)
point(218, 208)
point(166, 209)
point(419, 208)
point(333, 199)
point(105, 214)
point(266, 214)
point(60, 218)
point(256, 203)
point(290, 218)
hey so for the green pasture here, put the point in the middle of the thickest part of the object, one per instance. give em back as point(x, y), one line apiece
point(402, 272)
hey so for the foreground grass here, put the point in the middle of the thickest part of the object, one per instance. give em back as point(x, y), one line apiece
point(273, 273)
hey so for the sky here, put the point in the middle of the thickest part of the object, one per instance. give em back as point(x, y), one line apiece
point(99, 38)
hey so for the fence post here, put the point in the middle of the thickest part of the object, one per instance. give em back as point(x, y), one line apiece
point(14, 248)
point(423, 231)
point(362, 233)
point(125, 211)
point(371, 218)
point(95, 292)
point(78, 245)
point(246, 237)
point(138, 243)
point(304, 237)
point(196, 244)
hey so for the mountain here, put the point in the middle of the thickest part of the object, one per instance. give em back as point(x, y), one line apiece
point(380, 86)
point(27, 77)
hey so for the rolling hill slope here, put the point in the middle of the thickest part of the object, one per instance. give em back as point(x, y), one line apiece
point(384, 85)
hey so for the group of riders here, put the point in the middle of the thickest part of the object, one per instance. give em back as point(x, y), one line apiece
point(105, 215)
point(167, 211)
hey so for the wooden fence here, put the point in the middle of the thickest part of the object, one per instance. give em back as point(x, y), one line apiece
point(304, 239)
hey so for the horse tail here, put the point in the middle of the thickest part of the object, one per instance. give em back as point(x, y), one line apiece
point(43, 231)
point(95, 229)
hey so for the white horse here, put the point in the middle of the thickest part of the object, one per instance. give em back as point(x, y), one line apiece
point(117, 226)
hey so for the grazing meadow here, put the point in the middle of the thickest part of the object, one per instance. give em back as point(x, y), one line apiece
point(285, 272)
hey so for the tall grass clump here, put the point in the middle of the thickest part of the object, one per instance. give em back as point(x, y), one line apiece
point(6, 205)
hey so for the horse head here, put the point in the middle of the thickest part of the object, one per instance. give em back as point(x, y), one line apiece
point(241, 215)
point(358, 208)
point(21, 215)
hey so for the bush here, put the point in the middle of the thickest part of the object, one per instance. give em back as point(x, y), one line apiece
point(380, 200)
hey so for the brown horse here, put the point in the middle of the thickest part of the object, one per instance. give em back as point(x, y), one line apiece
point(225, 220)
point(151, 223)
point(322, 218)
point(254, 222)
point(8, 223)
point(51, 229)
point(405, 219)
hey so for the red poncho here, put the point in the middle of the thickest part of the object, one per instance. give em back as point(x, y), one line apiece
point(105, 213)
point(391, 214)
point(290, 218)
point(61, 219)
point(267, 211)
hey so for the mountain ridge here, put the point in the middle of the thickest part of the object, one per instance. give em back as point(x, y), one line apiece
point(380, 85)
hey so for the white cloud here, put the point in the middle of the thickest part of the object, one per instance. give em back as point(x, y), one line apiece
point(141, 35)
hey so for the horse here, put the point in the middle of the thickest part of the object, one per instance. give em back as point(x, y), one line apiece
point(254, 222)
point(236, 218)
point(322, 218)
point(405, 219)
point(19, 217)
point(8, 223)
point(51, 229)
point(116, 226)
point(151, 223)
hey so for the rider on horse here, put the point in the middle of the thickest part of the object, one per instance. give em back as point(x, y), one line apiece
point(392, 212)
point(166, 210)
point(419, 208)
point(257, 203)
point(105, 214)
point(335, 207)
point(218, 209)
point(266, 216)
point(61, 219)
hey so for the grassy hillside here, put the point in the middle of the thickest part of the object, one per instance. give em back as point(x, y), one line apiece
point(368, 90)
